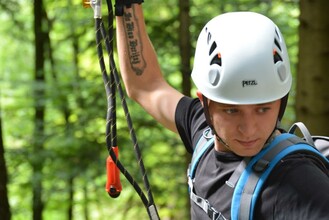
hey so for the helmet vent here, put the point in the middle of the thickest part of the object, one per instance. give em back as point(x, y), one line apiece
point(276, 56)
point(277, 43)
point(217, 60)
point(277, 37)
point(212, 48)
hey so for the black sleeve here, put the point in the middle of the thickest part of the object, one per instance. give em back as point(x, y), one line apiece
point(190, 121)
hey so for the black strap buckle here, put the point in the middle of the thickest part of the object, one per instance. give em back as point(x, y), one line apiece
point(119, 5)
point(213, 213)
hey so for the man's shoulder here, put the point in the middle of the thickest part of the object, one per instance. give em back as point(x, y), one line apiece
point(190, 120)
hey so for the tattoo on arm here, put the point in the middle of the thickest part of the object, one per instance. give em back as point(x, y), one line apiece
point(134, 43)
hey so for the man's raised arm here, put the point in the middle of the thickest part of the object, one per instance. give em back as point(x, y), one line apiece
point(141, 71)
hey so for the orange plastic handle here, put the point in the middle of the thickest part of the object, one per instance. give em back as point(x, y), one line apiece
point(113, 183)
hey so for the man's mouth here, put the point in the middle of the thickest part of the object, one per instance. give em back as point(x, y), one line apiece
point(248, 143)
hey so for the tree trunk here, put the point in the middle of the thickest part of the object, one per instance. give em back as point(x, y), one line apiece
point(4, 201)
point(37, 159)
point(71, 198)
point(312, 98)
point(185, 45)
point(185, 54)
point(85, 203)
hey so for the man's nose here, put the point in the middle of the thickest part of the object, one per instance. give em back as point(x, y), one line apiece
point(248, 124)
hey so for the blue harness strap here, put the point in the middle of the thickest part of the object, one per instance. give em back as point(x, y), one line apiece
point(202, 146)
point(204, 143)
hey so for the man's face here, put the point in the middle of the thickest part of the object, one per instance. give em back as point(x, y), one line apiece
point(244, 128)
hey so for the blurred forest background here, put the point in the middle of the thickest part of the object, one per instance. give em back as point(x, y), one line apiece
point(53, 103)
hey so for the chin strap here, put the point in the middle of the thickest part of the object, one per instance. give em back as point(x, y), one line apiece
point(223, 142)
point(209, 122)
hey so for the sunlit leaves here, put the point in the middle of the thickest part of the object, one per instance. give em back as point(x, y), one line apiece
point(75, 149)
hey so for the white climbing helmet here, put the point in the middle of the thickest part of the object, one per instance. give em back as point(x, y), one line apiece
point(241, 58)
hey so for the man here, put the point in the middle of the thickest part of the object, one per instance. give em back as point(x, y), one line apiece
point(242, 73)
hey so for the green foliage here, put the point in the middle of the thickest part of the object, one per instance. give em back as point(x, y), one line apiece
point(75, 152)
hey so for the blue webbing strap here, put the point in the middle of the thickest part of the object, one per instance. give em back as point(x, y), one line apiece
point(202, 146)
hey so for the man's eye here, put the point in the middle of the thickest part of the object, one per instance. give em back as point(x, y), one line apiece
point(263, 110)
point(231, 110)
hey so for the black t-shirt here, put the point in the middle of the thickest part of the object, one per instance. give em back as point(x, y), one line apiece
point(297, 188)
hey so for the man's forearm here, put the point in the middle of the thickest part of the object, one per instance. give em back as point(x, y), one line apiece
point(137, 58)
point(141, 71)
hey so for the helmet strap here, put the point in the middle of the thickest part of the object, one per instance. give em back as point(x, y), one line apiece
point(206, 113)
point(283, 105)
point(209, 122)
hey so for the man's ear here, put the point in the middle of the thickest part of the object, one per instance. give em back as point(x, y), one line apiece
point(199, 94)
